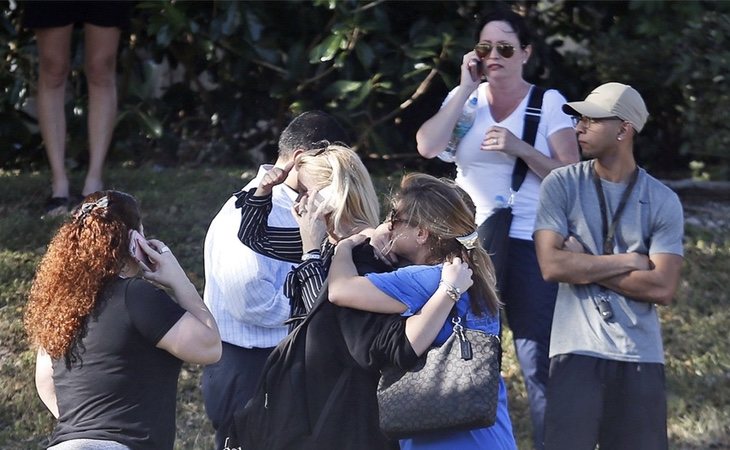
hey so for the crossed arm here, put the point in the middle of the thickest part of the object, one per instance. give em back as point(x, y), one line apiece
point(652, 279)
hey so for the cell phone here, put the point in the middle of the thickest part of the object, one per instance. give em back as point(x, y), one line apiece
point(605, 309)
point(135, 249)
point(322, 196)
point(476, 69)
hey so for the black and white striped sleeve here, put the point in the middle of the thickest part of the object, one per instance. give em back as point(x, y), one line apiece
point(307, 279)
point(284, 244)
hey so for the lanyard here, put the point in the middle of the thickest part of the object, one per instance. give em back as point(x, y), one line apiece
point(609, 230)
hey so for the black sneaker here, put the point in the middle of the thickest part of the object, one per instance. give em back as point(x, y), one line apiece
point(55, 207)
point(74, 202)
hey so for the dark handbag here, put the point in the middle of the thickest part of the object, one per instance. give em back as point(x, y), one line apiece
point(453, 387)
point(494, 236)
point(494, 231)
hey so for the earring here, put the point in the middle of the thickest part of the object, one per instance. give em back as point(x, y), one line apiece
point(524, 61)
point(619, 138)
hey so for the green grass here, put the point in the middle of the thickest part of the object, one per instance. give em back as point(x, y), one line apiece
point(178, 205)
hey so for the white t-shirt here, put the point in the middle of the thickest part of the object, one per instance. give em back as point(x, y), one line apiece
point(487, 175)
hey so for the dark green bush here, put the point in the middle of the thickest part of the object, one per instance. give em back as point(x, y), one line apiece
point(240, 70)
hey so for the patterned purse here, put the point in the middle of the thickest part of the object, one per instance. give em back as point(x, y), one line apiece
point(453, 387)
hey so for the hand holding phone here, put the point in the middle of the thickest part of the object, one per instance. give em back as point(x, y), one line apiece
point(475, 69)
point(321, 196)
point(136, 250)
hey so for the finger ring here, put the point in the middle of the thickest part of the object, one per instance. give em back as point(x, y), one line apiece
point(164, 249)
point(494, 141)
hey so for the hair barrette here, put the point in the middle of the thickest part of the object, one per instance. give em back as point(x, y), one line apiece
point(469, 241)
point(86, 208)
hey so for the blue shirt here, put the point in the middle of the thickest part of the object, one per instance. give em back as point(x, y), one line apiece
point(413, 286)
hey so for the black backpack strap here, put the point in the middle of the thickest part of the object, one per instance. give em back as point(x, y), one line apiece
point(529, 132)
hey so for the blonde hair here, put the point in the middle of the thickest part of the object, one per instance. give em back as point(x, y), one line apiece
point(447, 212)
point(353, 203)
point(87, 252)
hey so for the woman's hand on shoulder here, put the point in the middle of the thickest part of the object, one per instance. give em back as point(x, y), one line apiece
point(382, 243)
point(351, 242)
point(458, 274)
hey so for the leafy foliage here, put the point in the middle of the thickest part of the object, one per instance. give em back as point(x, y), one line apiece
point(672, 53)
point(216, 81)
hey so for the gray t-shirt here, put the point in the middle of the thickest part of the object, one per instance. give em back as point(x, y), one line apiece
point(652, 222)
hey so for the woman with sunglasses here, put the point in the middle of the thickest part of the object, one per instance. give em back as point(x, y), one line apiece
point(485, 159)
point(423, 242)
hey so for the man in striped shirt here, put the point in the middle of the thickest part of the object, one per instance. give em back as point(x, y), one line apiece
point(243, 289)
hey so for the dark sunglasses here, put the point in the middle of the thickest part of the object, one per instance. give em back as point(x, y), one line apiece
point(318, 151)
point(484, 49)
point(393, 218)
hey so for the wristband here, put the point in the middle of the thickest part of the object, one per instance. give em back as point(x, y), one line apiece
point(312, 254)
point(452, 291)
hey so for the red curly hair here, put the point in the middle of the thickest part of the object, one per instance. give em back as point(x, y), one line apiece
point(87, 252)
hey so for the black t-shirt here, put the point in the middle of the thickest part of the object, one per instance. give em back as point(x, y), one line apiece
point(123, 388)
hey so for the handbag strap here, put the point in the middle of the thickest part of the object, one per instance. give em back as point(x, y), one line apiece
point(529, 133)
point(459, 324)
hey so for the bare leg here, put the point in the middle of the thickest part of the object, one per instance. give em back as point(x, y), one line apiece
point(100, 61)
point(54, 48)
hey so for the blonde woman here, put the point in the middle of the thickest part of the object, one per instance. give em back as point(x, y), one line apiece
point(110, 343)
point(336, 200)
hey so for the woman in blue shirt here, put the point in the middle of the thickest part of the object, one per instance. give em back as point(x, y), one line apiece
point(432, 223)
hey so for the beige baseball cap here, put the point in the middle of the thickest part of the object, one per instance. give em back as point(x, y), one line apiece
point(612, 100)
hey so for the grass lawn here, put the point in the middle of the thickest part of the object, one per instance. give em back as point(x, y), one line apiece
point(178, 205)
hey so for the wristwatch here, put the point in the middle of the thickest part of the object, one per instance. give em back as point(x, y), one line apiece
point(312, 254)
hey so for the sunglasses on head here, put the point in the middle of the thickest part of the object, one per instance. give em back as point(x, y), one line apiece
point(484, 49)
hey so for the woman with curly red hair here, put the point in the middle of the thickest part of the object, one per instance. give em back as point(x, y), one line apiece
point(111, 343)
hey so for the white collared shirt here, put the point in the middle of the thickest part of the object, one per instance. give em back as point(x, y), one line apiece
point(243, 289)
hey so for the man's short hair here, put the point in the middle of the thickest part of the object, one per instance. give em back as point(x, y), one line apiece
point(308, 130)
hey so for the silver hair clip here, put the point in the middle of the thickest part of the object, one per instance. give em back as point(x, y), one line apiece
point(86, 208)
point(469, 241)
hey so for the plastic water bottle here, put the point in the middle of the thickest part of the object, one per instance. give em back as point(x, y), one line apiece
point(463, 125)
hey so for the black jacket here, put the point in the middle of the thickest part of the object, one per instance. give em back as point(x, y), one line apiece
point(318, 386)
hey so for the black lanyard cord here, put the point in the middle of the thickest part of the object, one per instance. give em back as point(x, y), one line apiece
point(608, 231)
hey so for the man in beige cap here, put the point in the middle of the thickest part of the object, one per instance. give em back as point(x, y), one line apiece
point(611, 234)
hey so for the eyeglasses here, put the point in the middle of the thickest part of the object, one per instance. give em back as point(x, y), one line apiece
point(393, 218)
point(588, 121)
point(484, 49)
